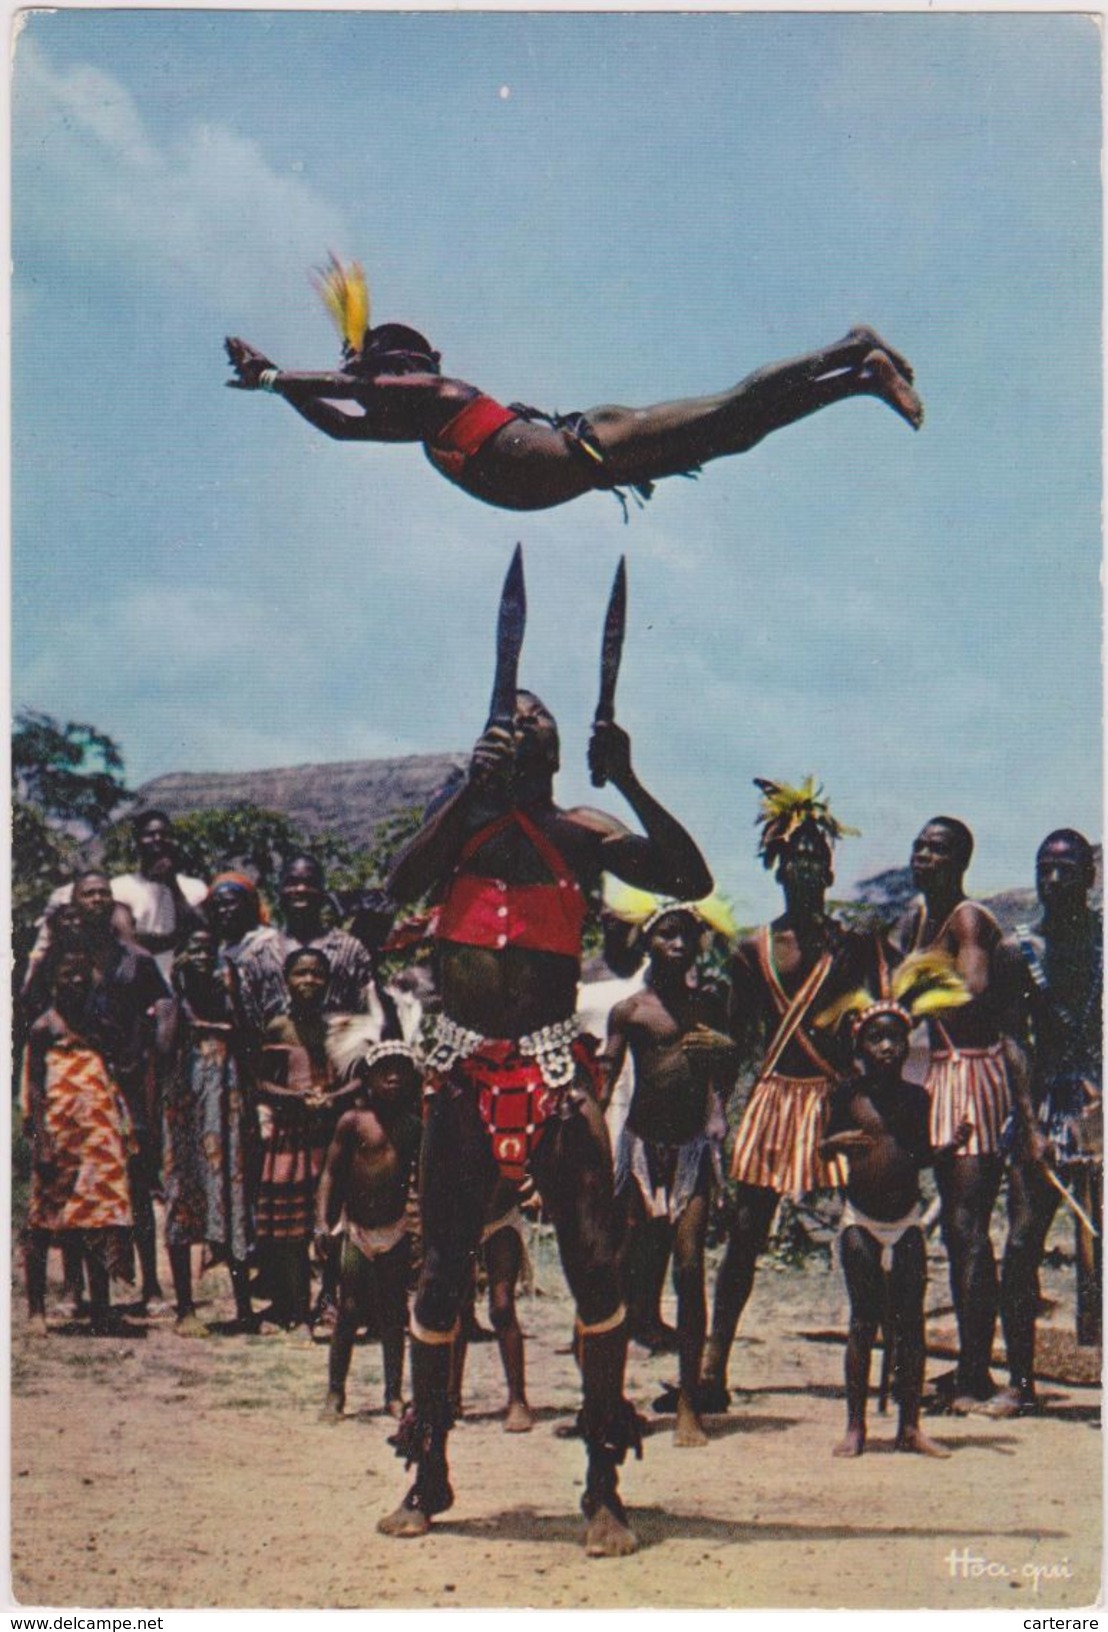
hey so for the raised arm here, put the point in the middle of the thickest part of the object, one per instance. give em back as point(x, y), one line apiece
point(665, 858)
point(393, 406)
point(435, 849)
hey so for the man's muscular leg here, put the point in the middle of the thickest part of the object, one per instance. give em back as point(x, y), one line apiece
point(968, 1187)
point(671, 436)
point(1032, 1204)
point(752, 1221)
point(456, 1175)
point(573, 1171)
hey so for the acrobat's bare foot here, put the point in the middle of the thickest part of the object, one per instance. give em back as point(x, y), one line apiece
point(688, 1431)
point(36, 1326)
point(890, 385)
point(394, 1409)
point(916, 1441)
point(853, 1444)
point(608, 1535)
point(332, 1408)
point(861, 334)
point(519, 1418)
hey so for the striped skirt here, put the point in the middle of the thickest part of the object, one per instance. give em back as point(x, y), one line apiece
point(969, 1084)
point(777, 1145)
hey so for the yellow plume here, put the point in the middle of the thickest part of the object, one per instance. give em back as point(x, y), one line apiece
point(626, 902)
point(852, 1003)
point(783, 809)
point(636, 906)
point(925, 983)
point(345, 294)
point(928, 983)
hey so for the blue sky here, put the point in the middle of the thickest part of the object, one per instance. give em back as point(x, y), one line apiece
point(578, 209)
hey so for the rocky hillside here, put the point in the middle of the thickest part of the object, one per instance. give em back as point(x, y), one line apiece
point(348, 799)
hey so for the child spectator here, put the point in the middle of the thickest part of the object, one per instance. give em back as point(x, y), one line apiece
point(880, 1123)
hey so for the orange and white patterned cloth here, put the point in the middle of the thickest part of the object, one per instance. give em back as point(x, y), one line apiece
point(90, 1134)
point(777, 1145)
point(969, 1084)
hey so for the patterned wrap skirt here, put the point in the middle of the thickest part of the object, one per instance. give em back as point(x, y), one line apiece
point(777, 1145)
point(969, 1084)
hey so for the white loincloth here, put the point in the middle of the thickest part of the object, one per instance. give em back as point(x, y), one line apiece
point(885, 1232)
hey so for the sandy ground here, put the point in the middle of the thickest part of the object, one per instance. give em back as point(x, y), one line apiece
point(153, 1471)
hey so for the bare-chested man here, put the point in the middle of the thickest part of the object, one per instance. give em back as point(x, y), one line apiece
point(364, 1184)
point(663, 1164)
point(519, 458)
point(1050, 985)
point(881, 1124)
point(511, 1084)
point(781, 976)
point(967, 1081)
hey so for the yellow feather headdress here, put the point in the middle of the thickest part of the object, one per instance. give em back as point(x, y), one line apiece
point(925, 983)
point(642, 908)
point(784, 810)
point(345, 294)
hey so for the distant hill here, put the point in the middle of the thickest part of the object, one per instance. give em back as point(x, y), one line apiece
point(349, 799)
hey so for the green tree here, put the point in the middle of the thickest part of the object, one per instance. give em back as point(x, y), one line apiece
point(248, 838)
point(67, 780)
point(72, 773)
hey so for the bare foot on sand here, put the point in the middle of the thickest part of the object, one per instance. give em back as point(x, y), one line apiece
point(519, 1418)
point(404, 1523)
point(891, 386)
point(853, 1444)
point(37, 1327)
point(191, 1325)
point(394, 1409)
point(609, 1535)
point(332, 1407)
point(915, 1440)
point(688, 1432)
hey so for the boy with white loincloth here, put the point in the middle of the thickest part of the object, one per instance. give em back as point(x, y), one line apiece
point(881, 1124)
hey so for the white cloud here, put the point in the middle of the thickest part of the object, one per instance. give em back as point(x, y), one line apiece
point(205, 213)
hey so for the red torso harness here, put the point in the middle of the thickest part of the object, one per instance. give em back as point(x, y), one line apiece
point(461, 437)
point(491, 912)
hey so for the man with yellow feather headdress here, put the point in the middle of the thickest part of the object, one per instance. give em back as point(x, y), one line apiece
point(782, 975)
point(520, 458)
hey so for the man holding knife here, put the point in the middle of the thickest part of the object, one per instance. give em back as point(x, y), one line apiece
point(512, 1084)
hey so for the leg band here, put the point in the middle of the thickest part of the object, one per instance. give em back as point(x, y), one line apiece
point(600, 1326)
point(424, 1334)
